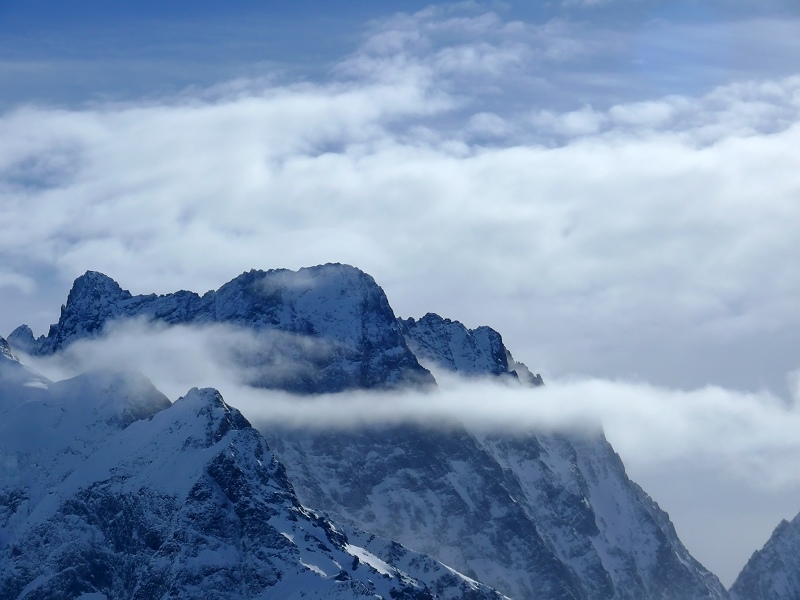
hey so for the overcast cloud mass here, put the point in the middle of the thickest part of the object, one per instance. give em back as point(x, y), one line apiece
point(612, 185)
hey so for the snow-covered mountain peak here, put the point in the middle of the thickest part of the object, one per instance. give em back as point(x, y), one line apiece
point(207, 406)
point(22, 338)
point(320, 329)
point(773, 573)
point(121, 396)
point(332, 275)
point(444, 343)
point(94, 284)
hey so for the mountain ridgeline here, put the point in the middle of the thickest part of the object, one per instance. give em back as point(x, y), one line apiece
point(322, 329)
point(537, 515)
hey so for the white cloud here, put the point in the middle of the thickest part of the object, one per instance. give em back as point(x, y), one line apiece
point(584, 3)
point(661, 230)
point(576, 123)
point(23, 283)
point(749, 436)
point(488, 124)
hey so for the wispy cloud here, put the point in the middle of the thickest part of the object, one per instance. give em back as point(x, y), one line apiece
point(750, 436)
point(20, 282)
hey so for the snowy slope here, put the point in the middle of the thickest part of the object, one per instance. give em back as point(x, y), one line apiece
point(110, 491)
point(533, 516)
point(774, 571)
point(601, 525)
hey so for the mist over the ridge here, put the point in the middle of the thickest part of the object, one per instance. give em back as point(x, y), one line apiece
point(747, 435)
point(708, 455)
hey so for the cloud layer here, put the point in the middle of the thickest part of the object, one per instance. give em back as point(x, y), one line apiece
point(586, 236)
point(750, 436)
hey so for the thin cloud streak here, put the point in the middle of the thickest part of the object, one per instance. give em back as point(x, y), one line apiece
point(750, 437)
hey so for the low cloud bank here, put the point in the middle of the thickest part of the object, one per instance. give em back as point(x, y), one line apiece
point(750, 436)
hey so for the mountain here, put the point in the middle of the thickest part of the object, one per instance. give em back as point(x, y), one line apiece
point(547, 515)
point(307, 342)
point(774, 571)
point(537, 515)
point(442, 343)
point(110, 491)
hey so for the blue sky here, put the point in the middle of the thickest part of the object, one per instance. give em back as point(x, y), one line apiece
point(71, 53)
point(612, 184)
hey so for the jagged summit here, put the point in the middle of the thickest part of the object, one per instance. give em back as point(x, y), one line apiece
point(95, 285)
point(441, 342)
point(220, 417)
point(22, 339)
point(320, 329)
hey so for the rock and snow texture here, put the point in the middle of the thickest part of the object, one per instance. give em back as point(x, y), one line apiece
point(774, 571)
point(5, 350)
point(321, 329)
point(533, 516)
point(550, 516)
point(442, 343)
point(108, 491)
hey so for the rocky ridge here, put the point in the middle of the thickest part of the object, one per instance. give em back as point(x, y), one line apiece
point(441, 343)
point(305, 323)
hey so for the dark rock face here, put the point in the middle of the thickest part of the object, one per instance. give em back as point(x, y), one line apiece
point(774, 571)
point(185, 502)
point(322, 329)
